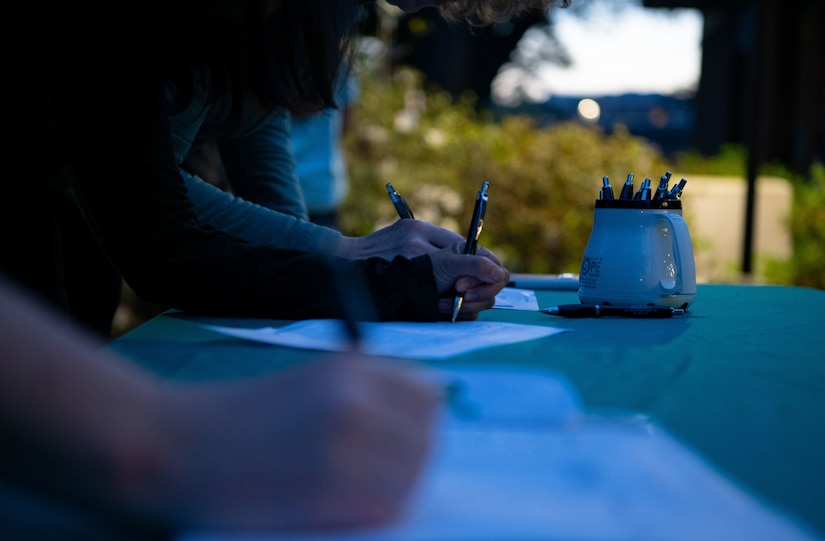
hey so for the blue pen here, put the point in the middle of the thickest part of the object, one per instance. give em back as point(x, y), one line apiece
point(399, 202)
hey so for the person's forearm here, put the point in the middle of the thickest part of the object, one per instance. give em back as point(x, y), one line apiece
point(257, 224)
point(149, 230)
point(333, 443)
point(76, 420)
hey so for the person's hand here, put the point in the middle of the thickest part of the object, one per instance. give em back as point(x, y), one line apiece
point(408, 238)
point(332, 443)
point(479, 278)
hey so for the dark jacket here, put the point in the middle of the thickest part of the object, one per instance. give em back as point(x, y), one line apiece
point(97, 140)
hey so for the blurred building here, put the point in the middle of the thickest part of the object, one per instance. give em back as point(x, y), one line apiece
point(666, 121)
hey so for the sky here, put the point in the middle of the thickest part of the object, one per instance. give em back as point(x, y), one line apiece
point(637, 50)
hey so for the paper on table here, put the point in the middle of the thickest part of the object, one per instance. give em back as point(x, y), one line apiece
point(530, 465)
point(495, 395)
point(423, 341)
point(512, 298)
point(594, 481)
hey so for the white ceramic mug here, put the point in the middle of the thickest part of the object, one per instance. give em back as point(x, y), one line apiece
point(639, 252)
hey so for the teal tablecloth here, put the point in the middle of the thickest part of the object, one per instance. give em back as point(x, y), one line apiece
point(740, 378)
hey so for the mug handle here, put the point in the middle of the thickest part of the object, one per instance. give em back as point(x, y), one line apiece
point(683, 253)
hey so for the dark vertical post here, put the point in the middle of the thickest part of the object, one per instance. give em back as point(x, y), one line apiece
point(765, 71)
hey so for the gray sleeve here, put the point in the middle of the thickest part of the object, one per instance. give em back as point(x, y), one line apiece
point(185, 126)
point(261, 168)
point(254, 223)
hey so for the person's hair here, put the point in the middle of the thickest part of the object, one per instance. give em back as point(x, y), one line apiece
point(484, 12)
point(300, 48)
point(289, 54)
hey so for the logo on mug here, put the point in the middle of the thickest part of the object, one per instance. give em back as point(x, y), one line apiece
point(591, 265)
point(589, 274)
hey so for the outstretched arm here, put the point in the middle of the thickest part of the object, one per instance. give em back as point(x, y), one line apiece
point(331, 443)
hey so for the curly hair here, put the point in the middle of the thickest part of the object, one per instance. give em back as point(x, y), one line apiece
point(483, 12)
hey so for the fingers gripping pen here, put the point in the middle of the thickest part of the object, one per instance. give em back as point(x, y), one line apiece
point(473, 233)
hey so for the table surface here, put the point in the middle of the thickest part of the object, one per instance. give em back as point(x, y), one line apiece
point(740, 378)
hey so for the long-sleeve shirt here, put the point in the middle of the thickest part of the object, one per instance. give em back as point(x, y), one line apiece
point(265, 205)
point(123, 174)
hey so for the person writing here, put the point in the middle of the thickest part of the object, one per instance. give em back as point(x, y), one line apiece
point(331, 443)
point(89, 161)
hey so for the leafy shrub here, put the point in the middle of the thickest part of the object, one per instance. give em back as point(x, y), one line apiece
point(806, 223)
point(731, 161)
point(806, 267)
point(543, 180)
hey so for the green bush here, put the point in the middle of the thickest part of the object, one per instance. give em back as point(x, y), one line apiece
point(731, 161)
point(543, 180)
point(806, 267)
point(806, 223)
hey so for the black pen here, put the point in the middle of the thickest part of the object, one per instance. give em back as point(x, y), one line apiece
point(599, 310)
point(607, 190)
point(627, 188)
point(644, 191)
point(399, 202)
point(472, 237)
point(662, 189)
point(676, 191)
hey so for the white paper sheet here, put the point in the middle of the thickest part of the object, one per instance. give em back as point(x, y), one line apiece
point(513, 298)
point(423, 341)
point(528, 465)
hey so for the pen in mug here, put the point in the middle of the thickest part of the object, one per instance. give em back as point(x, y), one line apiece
point(607, 189)
point(473, 233)
point(644, 191)
point(676, 191)
point(661, 190)
point(399, 202)
point(627, 189)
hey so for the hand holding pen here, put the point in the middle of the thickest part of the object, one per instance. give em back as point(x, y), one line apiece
point(406, 237)
point(484, 274)
point(473, 233)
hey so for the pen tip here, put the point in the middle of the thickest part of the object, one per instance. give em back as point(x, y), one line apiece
point(456, 307)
